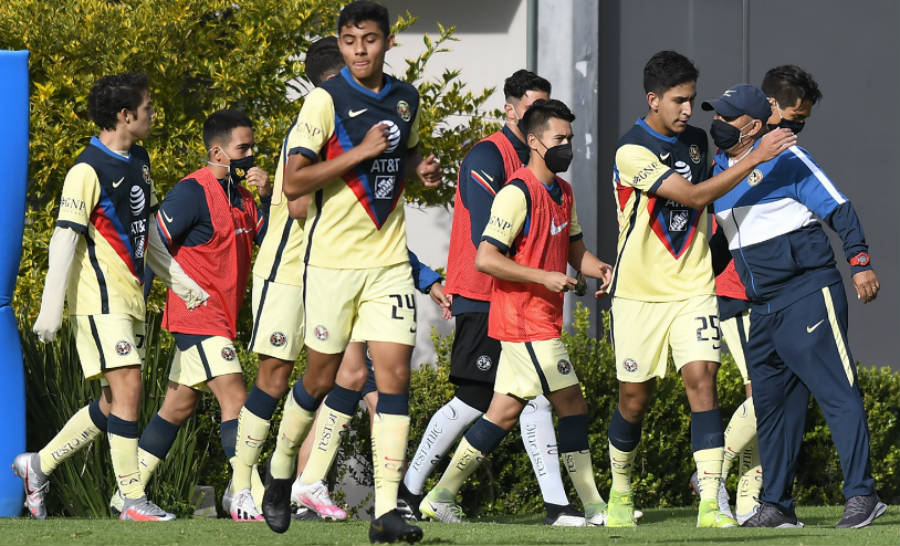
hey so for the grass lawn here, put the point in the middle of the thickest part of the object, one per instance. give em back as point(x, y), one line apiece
point(665, 526)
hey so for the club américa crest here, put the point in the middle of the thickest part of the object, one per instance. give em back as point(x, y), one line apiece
point(228, 353)
point(278, 339)
point(403, 110)
point(123, 347)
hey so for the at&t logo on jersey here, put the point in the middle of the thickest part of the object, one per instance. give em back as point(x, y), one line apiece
point(137, 201)
point(278, 339)
point(393, 135)
point(684, 170)
point(228, 353)
point(123, 347)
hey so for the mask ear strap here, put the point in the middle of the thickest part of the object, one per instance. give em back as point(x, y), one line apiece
point(216, 164)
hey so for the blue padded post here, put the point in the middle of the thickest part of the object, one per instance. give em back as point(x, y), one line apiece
point(14, 158)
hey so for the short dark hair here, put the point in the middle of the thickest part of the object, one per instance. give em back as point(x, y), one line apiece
point(219, 124)
point(523, 81)
point(323, 59)
point(363, 10)
point(540, 112)
point(667, 69)
point(110, 94)
point(789, 83)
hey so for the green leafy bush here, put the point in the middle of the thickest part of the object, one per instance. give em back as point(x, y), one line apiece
point(505, 483)
point(200, 56)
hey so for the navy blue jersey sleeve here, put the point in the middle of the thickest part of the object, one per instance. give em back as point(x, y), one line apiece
point(844, 221)
point(183, 217)
point(423, 275)
point(481, 175)
point(262, 212)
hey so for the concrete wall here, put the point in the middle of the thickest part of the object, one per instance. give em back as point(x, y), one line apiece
point(490, 47)
point(853, 50)
point(593, 52)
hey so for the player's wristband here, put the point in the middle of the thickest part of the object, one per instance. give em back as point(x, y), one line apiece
point(861, 260)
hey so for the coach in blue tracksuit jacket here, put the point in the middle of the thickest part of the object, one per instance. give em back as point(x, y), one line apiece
point(798, 322)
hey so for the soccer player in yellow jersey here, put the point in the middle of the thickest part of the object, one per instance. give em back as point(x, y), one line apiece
point(663, 290)
point(105, 232)
point(358, 136)
point(277, 335)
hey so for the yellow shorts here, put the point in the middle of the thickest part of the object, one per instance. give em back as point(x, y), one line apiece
point(106, 342)
point(212, 357)
point(527, 370)
point(643, 332)
point(277, 319)
point(735, 331)
point(376, 304)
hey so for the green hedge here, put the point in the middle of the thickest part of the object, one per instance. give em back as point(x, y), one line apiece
point(505, 484)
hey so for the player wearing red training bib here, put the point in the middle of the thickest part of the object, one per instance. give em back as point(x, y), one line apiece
point(531, 235)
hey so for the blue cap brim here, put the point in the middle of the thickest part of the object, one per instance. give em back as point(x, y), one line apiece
point(722, 108)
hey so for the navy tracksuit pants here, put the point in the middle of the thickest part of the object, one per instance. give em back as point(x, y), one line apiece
point(791, 353)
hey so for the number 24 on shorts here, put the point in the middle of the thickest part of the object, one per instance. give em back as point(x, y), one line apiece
point(407, 301)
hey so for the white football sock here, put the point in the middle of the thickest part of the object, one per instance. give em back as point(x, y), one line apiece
point(446, 425)
point(539, 438)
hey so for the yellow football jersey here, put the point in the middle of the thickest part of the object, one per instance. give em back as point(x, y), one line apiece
point(663, 254)
point(357, 220)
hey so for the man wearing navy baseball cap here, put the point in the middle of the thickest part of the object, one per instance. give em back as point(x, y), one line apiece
point(743, 102)
point(797, 342)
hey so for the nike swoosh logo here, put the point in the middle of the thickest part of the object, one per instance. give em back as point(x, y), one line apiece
point(118, 182)
point(167, 217)
point(355, 113)
point(663, 157)
point(554, 229)
point(809, 329)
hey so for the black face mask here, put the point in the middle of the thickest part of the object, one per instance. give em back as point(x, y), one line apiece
point(239, 167)
point(794, 126)
point(725, 136)
point(558, 158)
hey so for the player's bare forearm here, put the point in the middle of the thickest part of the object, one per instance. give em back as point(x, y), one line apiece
point(297, 208)
point(583, 260)
point(302, 176)
point(490, 260)
point(577, 253)
point(697, 196)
